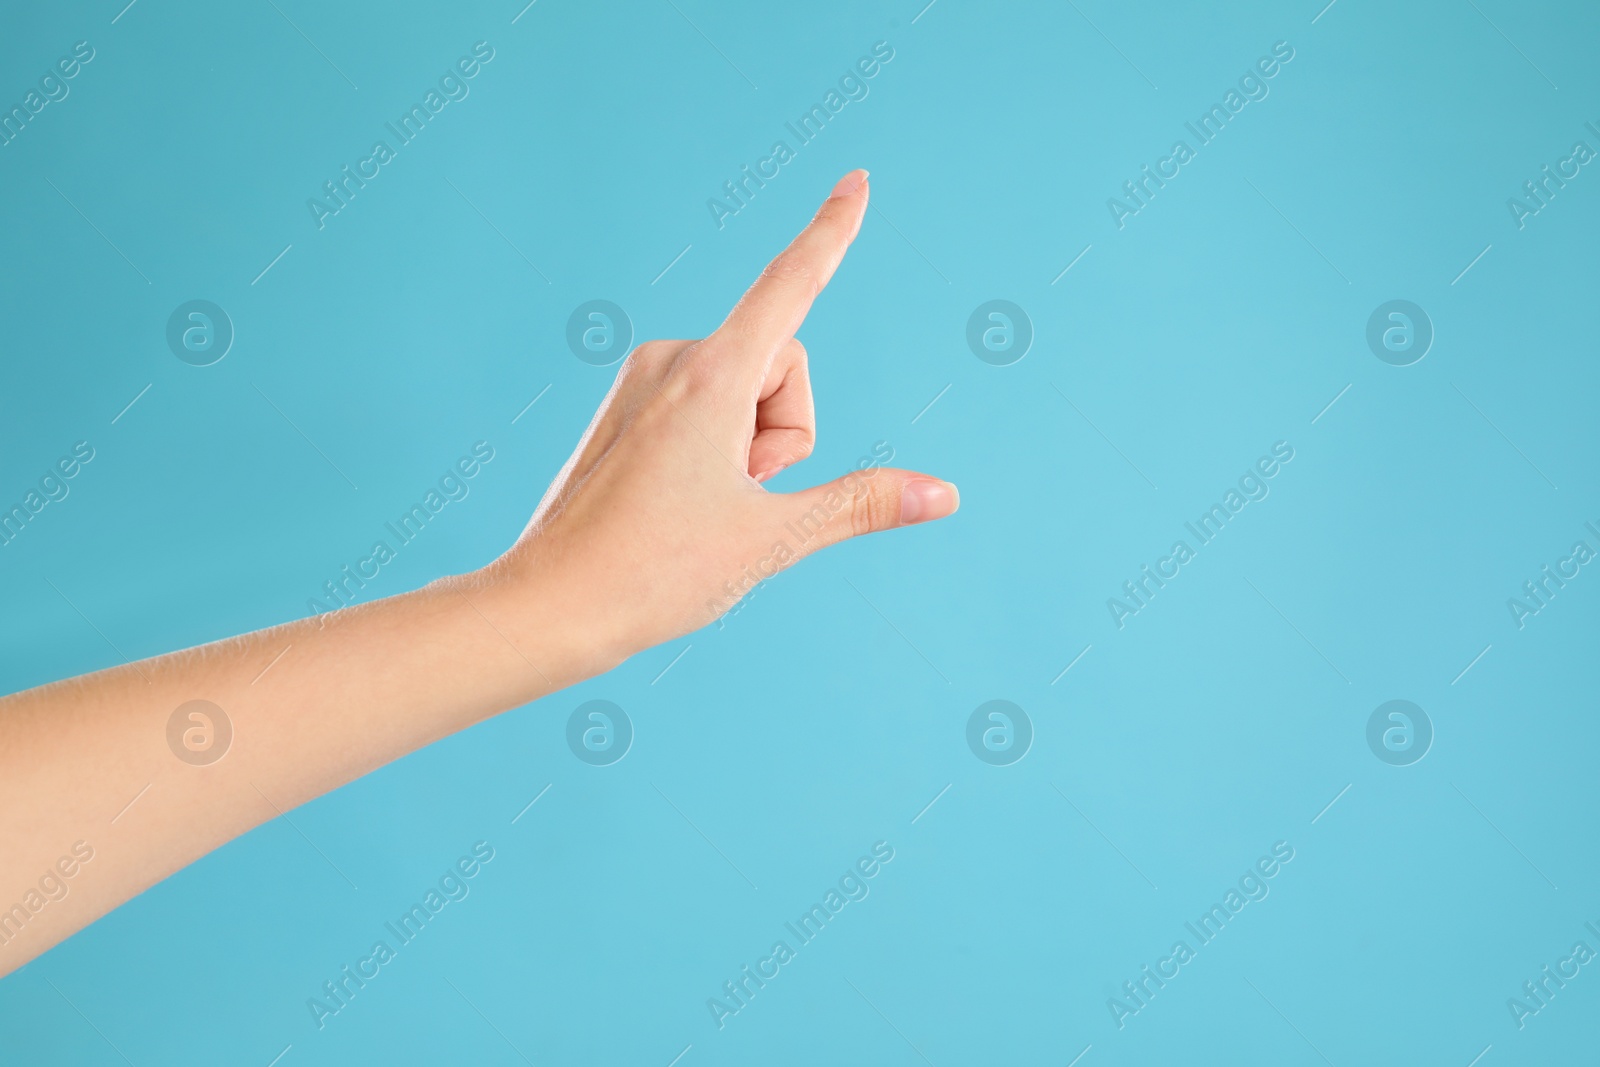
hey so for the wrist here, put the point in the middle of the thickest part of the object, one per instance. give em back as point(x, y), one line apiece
point(560, 632)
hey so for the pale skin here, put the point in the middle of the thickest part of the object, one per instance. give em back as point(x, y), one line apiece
point(661, 505)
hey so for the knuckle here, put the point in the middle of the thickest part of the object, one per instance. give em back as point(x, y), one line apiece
point(649, 352)
point(643, 356)
point(868, 513)
point(657, 360)
point(697, 366)
point(790, 270)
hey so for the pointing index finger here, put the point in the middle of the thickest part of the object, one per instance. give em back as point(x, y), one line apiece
point(772, 309)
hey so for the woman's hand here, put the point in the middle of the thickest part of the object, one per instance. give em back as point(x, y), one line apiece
point(658, 523)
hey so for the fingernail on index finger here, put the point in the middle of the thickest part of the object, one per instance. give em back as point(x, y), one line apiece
point(849, 184)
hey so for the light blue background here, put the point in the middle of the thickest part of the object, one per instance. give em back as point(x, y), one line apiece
point(812, 726)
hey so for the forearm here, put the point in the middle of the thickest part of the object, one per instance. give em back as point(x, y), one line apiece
point(654, 527)
point(312, 704)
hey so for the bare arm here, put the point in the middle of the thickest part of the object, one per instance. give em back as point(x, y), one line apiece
point(656, 526)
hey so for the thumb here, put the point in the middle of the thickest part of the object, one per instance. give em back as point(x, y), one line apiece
point(863, 502)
